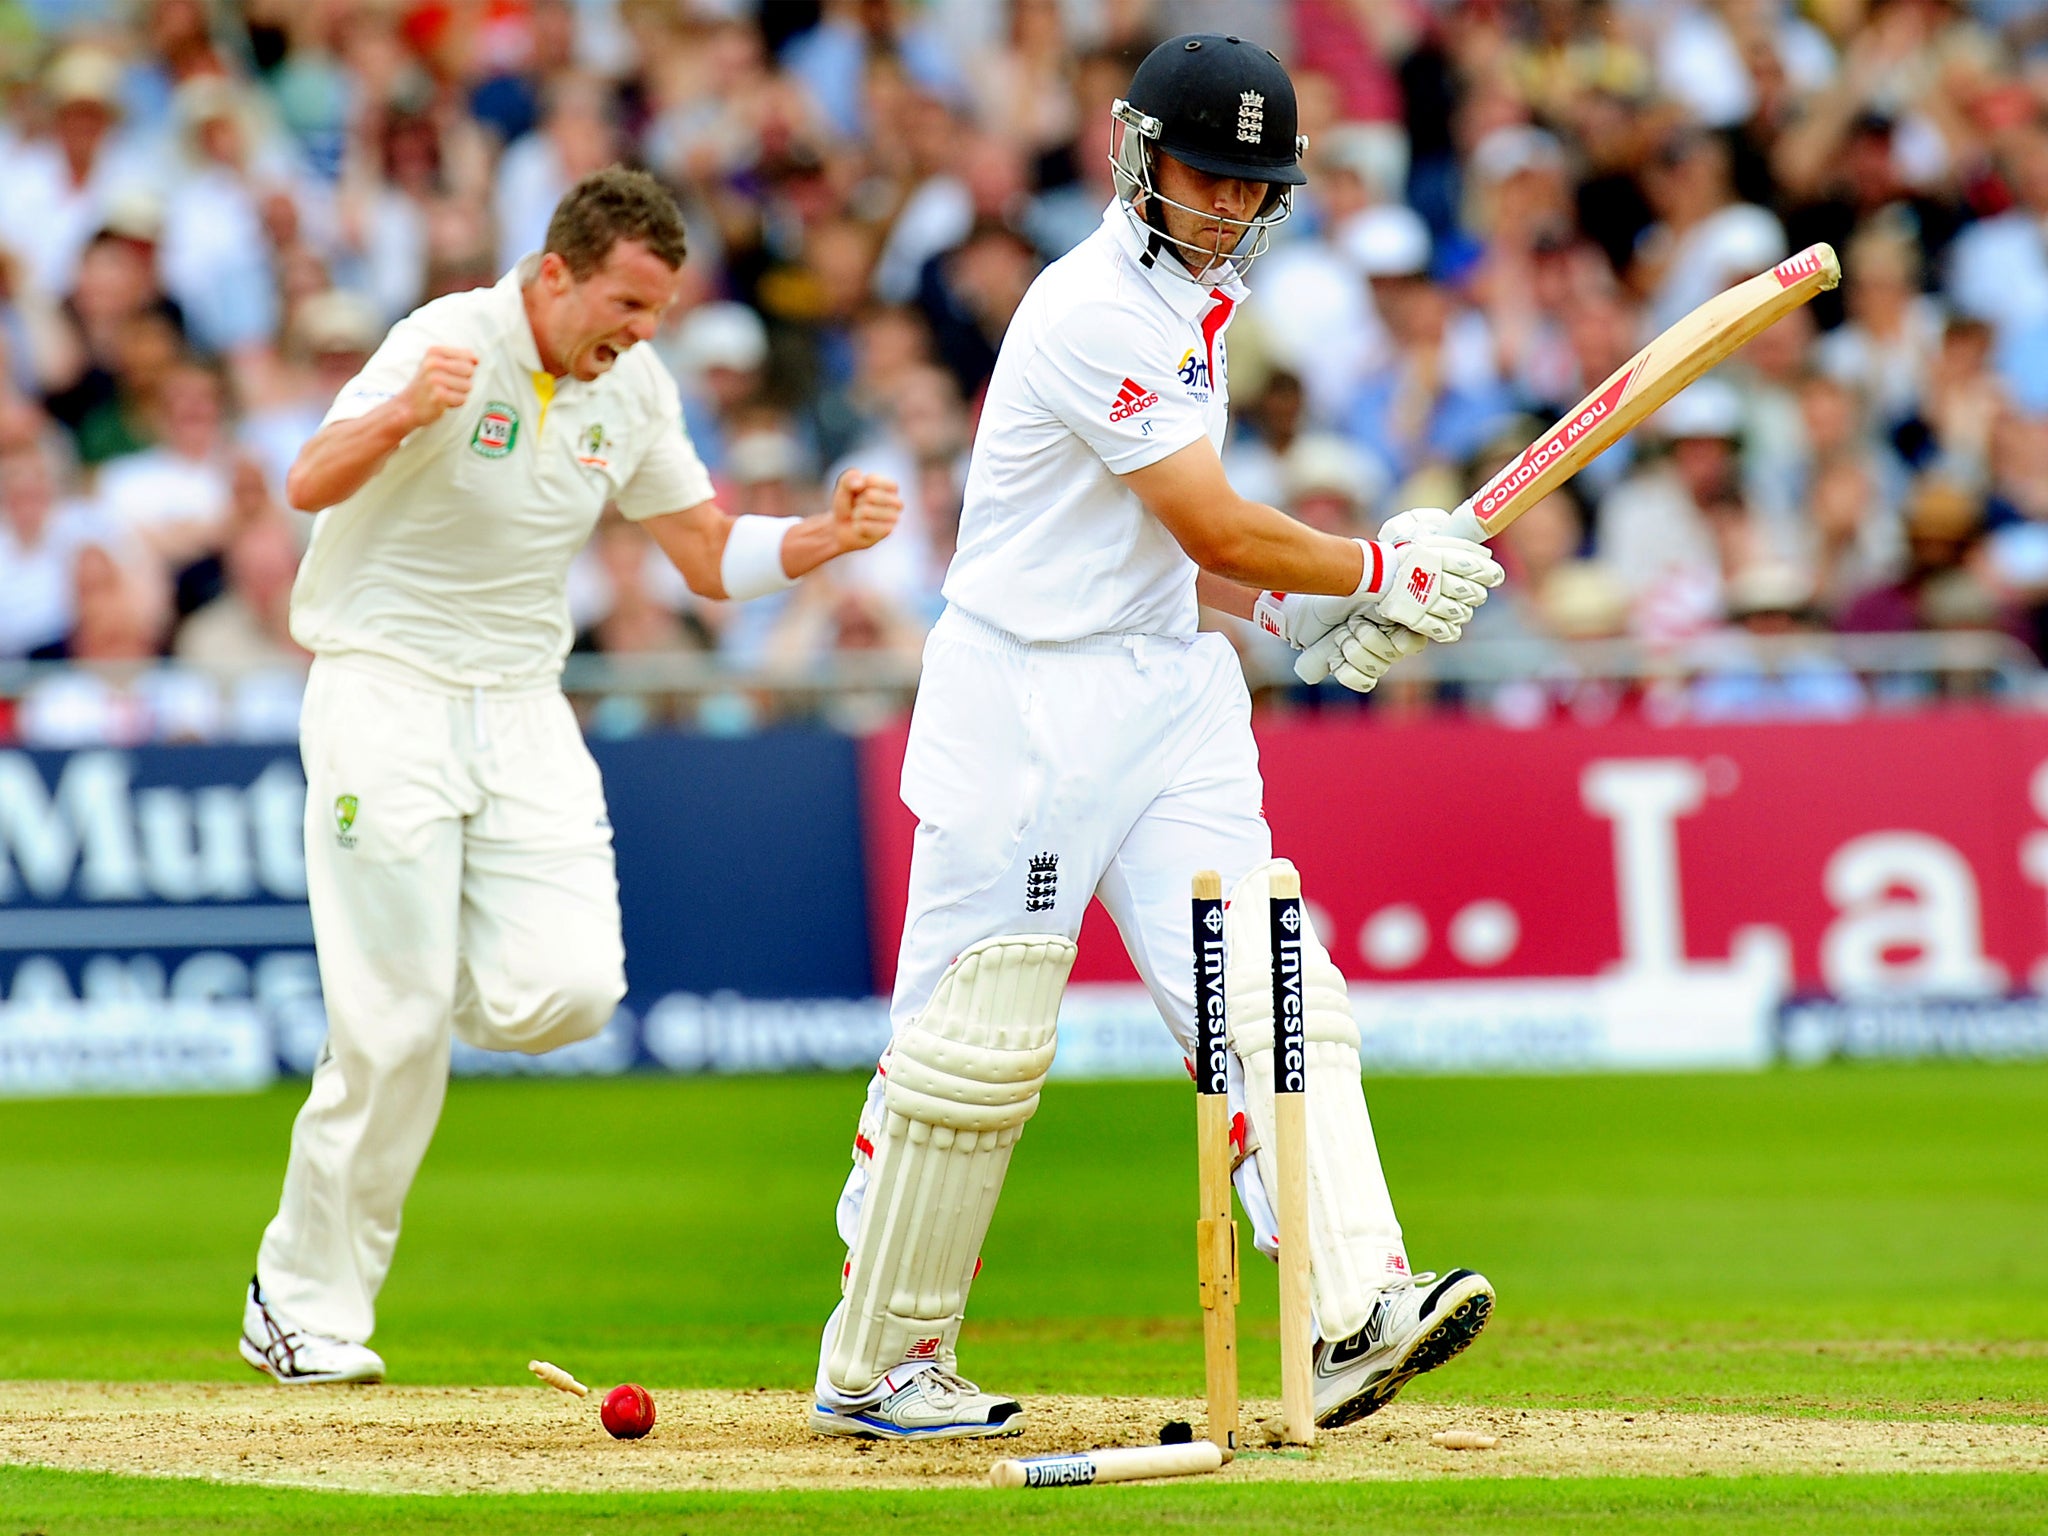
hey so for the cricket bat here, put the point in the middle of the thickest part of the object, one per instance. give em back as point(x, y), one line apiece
point(1672, 360)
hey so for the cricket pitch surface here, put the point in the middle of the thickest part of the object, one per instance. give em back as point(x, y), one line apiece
point(528, 1439)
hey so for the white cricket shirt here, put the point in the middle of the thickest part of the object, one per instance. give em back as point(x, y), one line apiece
point(1109, 365)
point(454, 558)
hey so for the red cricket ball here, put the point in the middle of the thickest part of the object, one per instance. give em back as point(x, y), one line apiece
point(628, 1412)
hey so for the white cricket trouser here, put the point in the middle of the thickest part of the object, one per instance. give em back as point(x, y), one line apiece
point(1043, 775)
point(459, 867)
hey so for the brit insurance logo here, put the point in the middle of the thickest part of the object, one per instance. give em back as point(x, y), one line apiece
point(1131, 398)
point(496, 430)
point(1194, 375)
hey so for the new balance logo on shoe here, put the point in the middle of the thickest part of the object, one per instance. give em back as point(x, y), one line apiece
point(1132, 398)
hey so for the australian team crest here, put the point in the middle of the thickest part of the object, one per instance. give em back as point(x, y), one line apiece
point(345, 807)
point(496, 430)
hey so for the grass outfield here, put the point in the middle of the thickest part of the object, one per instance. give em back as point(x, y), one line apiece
point(1846, 1241)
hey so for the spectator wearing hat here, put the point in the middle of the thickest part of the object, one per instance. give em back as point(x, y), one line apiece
point(1893, 329)
point(57, 191)
point(331, 337)
point(217, 256)
point(1328, 483)
point(1944, 585)
point(1434, 400)
point(1532, 268)
point(719, 356)
point(1669, 531)
point(1774, 602)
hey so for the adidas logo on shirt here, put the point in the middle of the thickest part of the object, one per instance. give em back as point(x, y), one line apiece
point(1132, 398)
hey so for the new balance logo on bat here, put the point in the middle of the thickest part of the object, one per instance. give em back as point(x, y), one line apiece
point(1799, 267)
point(1132, 398)
point(1539, 455)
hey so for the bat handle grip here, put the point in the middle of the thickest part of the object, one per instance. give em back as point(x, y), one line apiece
point(1464, 523)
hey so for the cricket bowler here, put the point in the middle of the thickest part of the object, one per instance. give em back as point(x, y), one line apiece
point(1075, 736)
point(458, 852)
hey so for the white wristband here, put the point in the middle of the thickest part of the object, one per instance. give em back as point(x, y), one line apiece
point(1378, 567)
point(752, 563)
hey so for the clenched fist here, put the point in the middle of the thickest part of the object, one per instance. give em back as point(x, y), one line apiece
point(441, 384)
point(864, 509)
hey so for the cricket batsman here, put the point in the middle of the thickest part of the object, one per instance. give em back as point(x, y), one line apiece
point(458, 852)
point(1075, 736)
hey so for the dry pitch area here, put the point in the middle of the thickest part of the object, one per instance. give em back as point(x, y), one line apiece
point(516, 1440)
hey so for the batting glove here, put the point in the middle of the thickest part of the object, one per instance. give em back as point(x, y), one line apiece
point(1436, 584)
point(1366, 647)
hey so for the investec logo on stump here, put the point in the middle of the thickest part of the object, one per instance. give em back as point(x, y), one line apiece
point(149, 903)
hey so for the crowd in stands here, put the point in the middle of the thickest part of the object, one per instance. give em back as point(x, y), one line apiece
point(211, 212)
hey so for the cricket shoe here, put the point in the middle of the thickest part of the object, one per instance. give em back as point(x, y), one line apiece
point(1414, 1327)
point(934, 1404)
point(297, 1358)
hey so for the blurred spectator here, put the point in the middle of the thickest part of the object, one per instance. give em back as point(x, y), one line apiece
point(719, 355)
point(1939, 588)
point(832, 58)
point(1774, 602)
point(1330, 485)
point(173, 499)
point(638, 620)
point(1433, 399)
point(331, 338)
point(1263, 429)
point(248, 626)
point(575, 137)
point(1999, 267)
point(1668, 532)
point(56, 192)
point(1704, 238)
point(1893, 331)
point(921, 444)
point(217, 258)
point(42, 531)
point(122, 612)
point(968, 296)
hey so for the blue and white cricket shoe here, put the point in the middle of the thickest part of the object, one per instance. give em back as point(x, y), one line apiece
point(934, 1404)
point(1414, 1327)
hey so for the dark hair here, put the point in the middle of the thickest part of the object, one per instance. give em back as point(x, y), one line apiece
point(611, 205)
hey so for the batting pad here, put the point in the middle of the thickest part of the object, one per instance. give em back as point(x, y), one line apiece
point(960, 1083)
point(1354, 1240)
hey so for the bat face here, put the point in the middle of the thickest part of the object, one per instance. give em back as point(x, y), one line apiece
point(1671, 361)
point(1500, 498)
